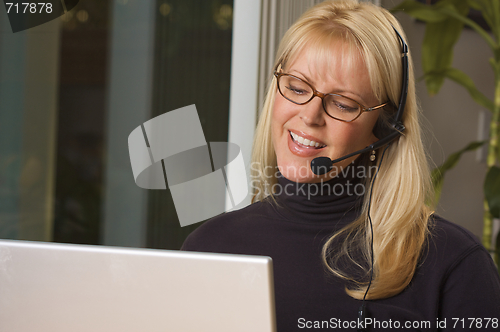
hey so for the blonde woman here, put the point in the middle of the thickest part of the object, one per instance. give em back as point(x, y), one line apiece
point(355, 246)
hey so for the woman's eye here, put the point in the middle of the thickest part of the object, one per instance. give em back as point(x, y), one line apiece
point(346, 108)
point(297, 91)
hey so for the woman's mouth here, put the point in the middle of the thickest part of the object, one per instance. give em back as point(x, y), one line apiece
point(303, 147)
point(304, 142)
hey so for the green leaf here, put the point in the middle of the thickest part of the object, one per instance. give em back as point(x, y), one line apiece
point(497, 252)
point(492, 190)
point(495, 19)
point(476, 4)
point(491, 13)
point(439, 172)
point(420, 11)
point(484, 8)
point(437, 182)
point(439, 40)
point(458, 15)
point(464, 80)
point(495, 65)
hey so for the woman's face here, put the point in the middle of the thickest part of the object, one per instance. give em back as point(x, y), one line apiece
point(310, 121)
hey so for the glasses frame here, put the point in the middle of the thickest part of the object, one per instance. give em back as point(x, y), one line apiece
point(316, 93)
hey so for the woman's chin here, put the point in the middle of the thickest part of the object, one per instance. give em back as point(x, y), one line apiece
point(300, 174)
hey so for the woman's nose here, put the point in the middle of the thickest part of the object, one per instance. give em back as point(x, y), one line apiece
point(313, 113)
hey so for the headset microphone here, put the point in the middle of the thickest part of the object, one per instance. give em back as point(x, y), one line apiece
point(323, 165)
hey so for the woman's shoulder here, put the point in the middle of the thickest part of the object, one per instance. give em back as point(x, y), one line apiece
point(226, 229)
point(450, 244)
point(452, 236)
point(461, 271)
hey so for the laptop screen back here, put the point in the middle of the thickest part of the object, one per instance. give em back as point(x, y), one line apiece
point(47, 287)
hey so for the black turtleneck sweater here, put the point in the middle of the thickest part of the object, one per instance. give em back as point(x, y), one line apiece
point(456, 283)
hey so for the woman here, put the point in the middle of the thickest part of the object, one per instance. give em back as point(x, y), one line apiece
point(352, 233)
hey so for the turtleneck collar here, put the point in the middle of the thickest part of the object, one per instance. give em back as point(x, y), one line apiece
point(336, 201)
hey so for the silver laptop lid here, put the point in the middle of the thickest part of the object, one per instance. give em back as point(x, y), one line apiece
point(61, 287)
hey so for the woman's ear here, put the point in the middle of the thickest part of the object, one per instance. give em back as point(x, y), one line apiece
point(383, 126)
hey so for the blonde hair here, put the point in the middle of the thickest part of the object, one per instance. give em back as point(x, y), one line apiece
point(398, 210)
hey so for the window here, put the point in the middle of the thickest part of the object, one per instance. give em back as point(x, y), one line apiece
point(73, 89)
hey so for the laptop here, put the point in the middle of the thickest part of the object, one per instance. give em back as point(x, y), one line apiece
point(49, 287)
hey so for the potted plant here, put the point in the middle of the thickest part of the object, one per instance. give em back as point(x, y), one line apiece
point(445, 20)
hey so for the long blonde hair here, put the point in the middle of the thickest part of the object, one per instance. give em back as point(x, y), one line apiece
point(398, 210)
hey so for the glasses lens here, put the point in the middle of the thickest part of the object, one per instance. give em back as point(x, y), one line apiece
point(294, 89)
point(340, 107)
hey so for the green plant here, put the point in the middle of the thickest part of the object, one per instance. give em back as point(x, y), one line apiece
point(444, 24)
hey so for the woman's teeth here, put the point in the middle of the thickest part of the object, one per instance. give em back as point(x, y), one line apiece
point(305, 141)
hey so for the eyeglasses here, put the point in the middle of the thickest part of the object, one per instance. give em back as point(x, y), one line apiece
point(336, 106)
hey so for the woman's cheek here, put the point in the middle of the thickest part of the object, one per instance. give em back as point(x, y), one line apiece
point(281, 111)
